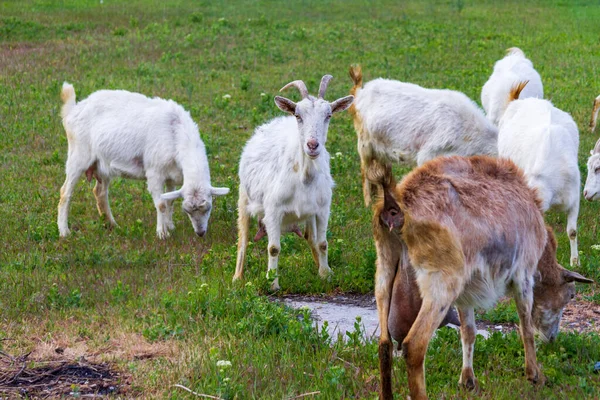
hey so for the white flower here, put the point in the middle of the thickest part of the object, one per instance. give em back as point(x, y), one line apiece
point(338, 154)
point(204, 285)
point(596, 246)
point(223, 363)
point(227, 96)
point(263, 94)
point(248, 284)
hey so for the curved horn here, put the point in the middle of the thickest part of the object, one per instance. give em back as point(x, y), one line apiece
point(298, 85)
point(324, 83)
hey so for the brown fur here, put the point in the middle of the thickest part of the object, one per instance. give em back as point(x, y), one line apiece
point(457, 211)
point(516, 90)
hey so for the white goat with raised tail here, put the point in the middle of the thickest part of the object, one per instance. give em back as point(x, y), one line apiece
point(544, 141)
point(510, 70)
point(406, 123)
point(119, 133)
point(285, 178)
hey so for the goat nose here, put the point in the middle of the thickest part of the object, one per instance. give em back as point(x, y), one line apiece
point(312, 144)
point(200, 233)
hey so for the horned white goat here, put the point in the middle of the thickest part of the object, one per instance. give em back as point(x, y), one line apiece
point(513, 68)
point(119, 133)
point(285, 178)
point(544, 141)
point(406, 123)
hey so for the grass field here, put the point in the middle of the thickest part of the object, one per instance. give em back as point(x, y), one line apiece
point(165, 312)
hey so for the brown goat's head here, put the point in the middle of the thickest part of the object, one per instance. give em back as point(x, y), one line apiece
point(554, 288)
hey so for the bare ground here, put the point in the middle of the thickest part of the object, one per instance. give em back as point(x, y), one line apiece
point(340, 311)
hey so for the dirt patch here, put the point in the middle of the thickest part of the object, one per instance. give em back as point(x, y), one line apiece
point(581, 316)
point(20, 376)
point(341, 311)
point(122, 345)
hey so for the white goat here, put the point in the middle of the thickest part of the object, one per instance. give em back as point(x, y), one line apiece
point(512, 69)
point(591, 191)
point(544, 141)
point(595, 110)
point(119, 133)
point(285, 178)
point(405, 123)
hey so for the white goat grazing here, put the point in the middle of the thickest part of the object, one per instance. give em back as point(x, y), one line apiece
point(544, 141)
point(512, 69)
point(405, 123)
point(119, 133)
point(285, 178)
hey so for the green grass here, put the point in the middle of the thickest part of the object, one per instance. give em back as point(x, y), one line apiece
point(98, 284)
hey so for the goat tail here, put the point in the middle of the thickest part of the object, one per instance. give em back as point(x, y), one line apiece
point(515, 91)
point(515, 51)
point(595, 113)
point(67, 95)
point(380, 174)
point(356, 76)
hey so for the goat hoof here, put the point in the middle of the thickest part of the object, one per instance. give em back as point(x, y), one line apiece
point(470, 384)
point(574, 261)
point(275, 285)
point(163, 234)
point(537, 378)
point(325, 273)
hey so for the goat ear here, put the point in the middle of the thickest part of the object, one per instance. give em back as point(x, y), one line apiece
point(285, 105)
point(172, 195)
point(571, 276)
point(219, 191)
point(341, 104)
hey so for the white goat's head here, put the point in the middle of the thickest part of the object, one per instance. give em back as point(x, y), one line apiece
point(591, 191)
point(312, 114)
point(197, 204)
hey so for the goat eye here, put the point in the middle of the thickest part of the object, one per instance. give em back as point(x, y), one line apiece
point(298, 118)
point(327, 117)
point(572, 296)
point(597, 170)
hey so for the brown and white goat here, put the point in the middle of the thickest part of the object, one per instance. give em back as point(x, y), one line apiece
point(471, 229)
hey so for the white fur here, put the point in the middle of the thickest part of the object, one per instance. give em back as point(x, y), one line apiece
point(591, 191)
point(119, 133)
point(406, 123)
point(284, 182)
point(513, 68)
point(544, 141)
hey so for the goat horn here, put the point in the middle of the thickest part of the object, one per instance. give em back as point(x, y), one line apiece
point(323, 87)
point(298, 85)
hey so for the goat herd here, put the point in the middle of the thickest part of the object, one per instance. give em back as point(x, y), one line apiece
point(459, 230)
